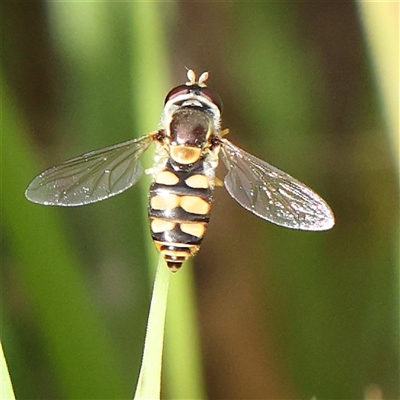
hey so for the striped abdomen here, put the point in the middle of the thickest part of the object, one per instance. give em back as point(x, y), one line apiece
point(179, 210)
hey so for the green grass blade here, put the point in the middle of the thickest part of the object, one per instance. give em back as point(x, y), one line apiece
point(7, 391)
point(149, 383)
point(182, 343)
point(381, 28)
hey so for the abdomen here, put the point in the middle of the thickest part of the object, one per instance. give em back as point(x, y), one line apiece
point(179, 211)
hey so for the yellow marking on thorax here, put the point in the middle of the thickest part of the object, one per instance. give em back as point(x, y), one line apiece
point(217, 182)
point(185, 154)
point(224, 132)
point(195, 205)
point(194, 229)
point(197, 181)
point(160, 225)
point(164, 201)
point(167, 178)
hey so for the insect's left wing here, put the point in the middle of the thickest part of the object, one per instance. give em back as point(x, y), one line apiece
point(272, 194)
point(91, 177)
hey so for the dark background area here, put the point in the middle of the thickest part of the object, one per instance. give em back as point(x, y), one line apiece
point(282, 313)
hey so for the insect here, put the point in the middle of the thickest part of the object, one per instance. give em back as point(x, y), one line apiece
point(188, 145)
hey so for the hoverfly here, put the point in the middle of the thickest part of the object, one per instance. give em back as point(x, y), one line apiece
point(188, 144)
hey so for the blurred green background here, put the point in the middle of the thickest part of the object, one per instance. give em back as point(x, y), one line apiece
point(280, 313)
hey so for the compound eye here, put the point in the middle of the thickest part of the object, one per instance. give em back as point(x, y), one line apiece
point(197, 90)
point(214, 97)
point(176, 91)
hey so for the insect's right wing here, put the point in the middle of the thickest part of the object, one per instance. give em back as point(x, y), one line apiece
point(273, 194)
point(91, 177)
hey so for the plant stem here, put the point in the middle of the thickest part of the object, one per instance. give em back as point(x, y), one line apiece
point(149, 383)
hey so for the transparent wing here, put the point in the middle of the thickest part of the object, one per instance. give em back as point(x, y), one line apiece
point(91, 177)
point(272, 194)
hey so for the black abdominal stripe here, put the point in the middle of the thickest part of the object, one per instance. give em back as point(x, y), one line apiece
point(179, 211)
